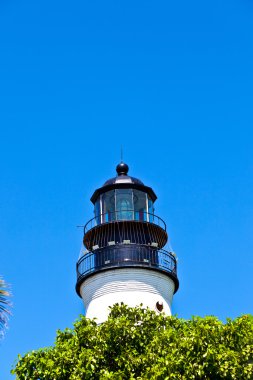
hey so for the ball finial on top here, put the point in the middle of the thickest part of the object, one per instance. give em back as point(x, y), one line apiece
point(122, 169)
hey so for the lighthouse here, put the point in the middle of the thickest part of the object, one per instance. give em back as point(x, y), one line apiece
point(124, 257)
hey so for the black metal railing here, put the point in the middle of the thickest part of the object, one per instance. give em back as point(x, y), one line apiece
point(123, 255)
point(125, 215)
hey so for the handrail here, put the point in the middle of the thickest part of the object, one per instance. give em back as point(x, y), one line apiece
point(124, 215)
point(126, 255)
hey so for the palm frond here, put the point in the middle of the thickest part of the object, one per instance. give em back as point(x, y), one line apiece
point(4, 304)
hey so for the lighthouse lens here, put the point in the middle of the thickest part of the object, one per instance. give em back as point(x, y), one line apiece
point(124, 204)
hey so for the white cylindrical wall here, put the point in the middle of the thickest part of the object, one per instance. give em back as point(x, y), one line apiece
point(132, 286)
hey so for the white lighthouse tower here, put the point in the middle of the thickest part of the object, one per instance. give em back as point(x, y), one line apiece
point(123, 258)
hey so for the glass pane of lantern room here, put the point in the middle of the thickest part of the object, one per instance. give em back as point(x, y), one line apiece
point(97, 211)
point(124, 204)
point(140, 205)
point(150, 210)
point(108, 206)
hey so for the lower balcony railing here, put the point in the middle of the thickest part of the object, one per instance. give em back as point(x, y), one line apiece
point(126, 255)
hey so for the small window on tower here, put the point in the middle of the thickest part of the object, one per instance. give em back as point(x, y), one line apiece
point(159, 306)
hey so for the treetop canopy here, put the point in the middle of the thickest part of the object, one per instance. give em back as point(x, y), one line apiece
point(137, 343)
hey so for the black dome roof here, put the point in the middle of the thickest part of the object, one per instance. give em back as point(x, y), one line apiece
point(123, 180)
point(122, 177)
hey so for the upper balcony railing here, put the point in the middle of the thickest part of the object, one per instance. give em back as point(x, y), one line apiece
point(126, 255)
point(125, 215)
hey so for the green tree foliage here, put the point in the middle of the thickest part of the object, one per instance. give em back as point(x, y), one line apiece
point(136, 343)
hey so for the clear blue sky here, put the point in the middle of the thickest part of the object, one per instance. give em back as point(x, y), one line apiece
point(173, 83)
